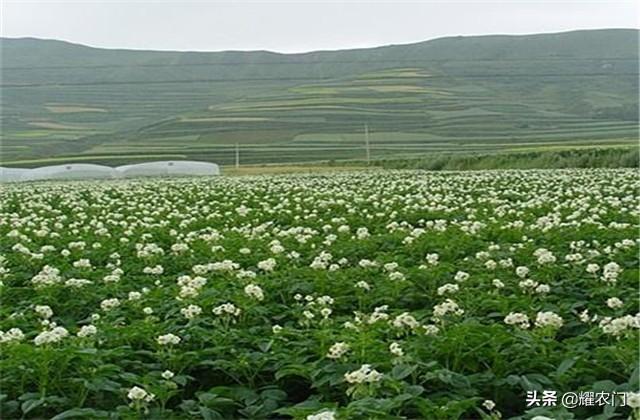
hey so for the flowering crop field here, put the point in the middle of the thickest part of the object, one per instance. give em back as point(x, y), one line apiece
point(365, 295)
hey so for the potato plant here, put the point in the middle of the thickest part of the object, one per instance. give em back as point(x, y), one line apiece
point(364, 295)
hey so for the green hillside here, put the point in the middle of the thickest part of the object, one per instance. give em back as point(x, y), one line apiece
point(62, 101)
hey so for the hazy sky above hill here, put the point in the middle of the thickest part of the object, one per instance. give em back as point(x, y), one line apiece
point(294, 26)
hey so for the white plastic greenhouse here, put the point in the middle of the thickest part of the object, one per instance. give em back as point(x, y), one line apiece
point(91, 171)
point(12, 174)
point(69, 171)
point(168, 168)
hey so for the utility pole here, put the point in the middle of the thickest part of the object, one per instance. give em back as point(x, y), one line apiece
point(366, 142)
point(237, 155)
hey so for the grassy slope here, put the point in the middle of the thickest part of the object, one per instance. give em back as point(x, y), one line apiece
point(460, 94)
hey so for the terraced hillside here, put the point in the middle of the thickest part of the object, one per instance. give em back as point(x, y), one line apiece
point(452, 95)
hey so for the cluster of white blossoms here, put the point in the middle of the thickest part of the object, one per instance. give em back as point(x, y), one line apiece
point(618, 326)
point(337, 350)
point(54, 335)
point(12, 335)
point(614, 303)
point(449, 288)
point(315, 307)
point(109, 304)
point(191, 311)
point(518, 319)
point(155, 270)
point(254, 291)
point(48, 276)
point(396, 349)
point(544, 256)
point(267, 265)
point(448, 307)
point(366, 374)
point(87, 331)
point(461, 276)
point(611, 272)
point(322, 415)
point(227, 308)
point(168, 339)
point(44, 311)
point(405, 320)
point(548, 319)
point(137, 394)
point(190, 286)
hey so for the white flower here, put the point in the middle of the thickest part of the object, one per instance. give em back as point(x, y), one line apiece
point(147, 310)
point(614, 303)
point(158, 269)
point(167, 374)
point(633, 399)
point(543, 289)
point(87, 330)
point(497, 283)
point(522, 271)
point(51, 336)
point(109, 304)
point(432, 258)
point(548, 319)
point(135, 295)
point(191, 311)
point(254, 291)
point(448, 288)
point(137, 394)
point(325, 312)
point(363, 375)
point(322, 415)
point(167, 339)
point(517, 318)
point(489, 405)
point(363, 285)
point(617, 326)
point(592, 268)
point(405, 319)
point(77, 282)
point(461, 276)
point(447, 307)
point(396, 350)
point(431, 329)
point(337, 350)
point(276, 329)
point(44, 311)
point(179, 248)
point(584, 316)
point(267, 265)
point(396, 276)
point(226, 309)
point(528, 285)
point(14, 334)
point(82, 263)
point(610, 272)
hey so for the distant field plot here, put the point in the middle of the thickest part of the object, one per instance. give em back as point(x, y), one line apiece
point(456, 95)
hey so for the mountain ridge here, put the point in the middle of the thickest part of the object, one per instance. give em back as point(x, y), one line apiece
point(402, 44)
point(64, 99)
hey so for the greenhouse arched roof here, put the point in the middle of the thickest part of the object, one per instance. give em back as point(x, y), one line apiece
point(91, 171)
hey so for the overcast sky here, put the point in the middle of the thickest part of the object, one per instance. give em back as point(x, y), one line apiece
point(296, 26)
